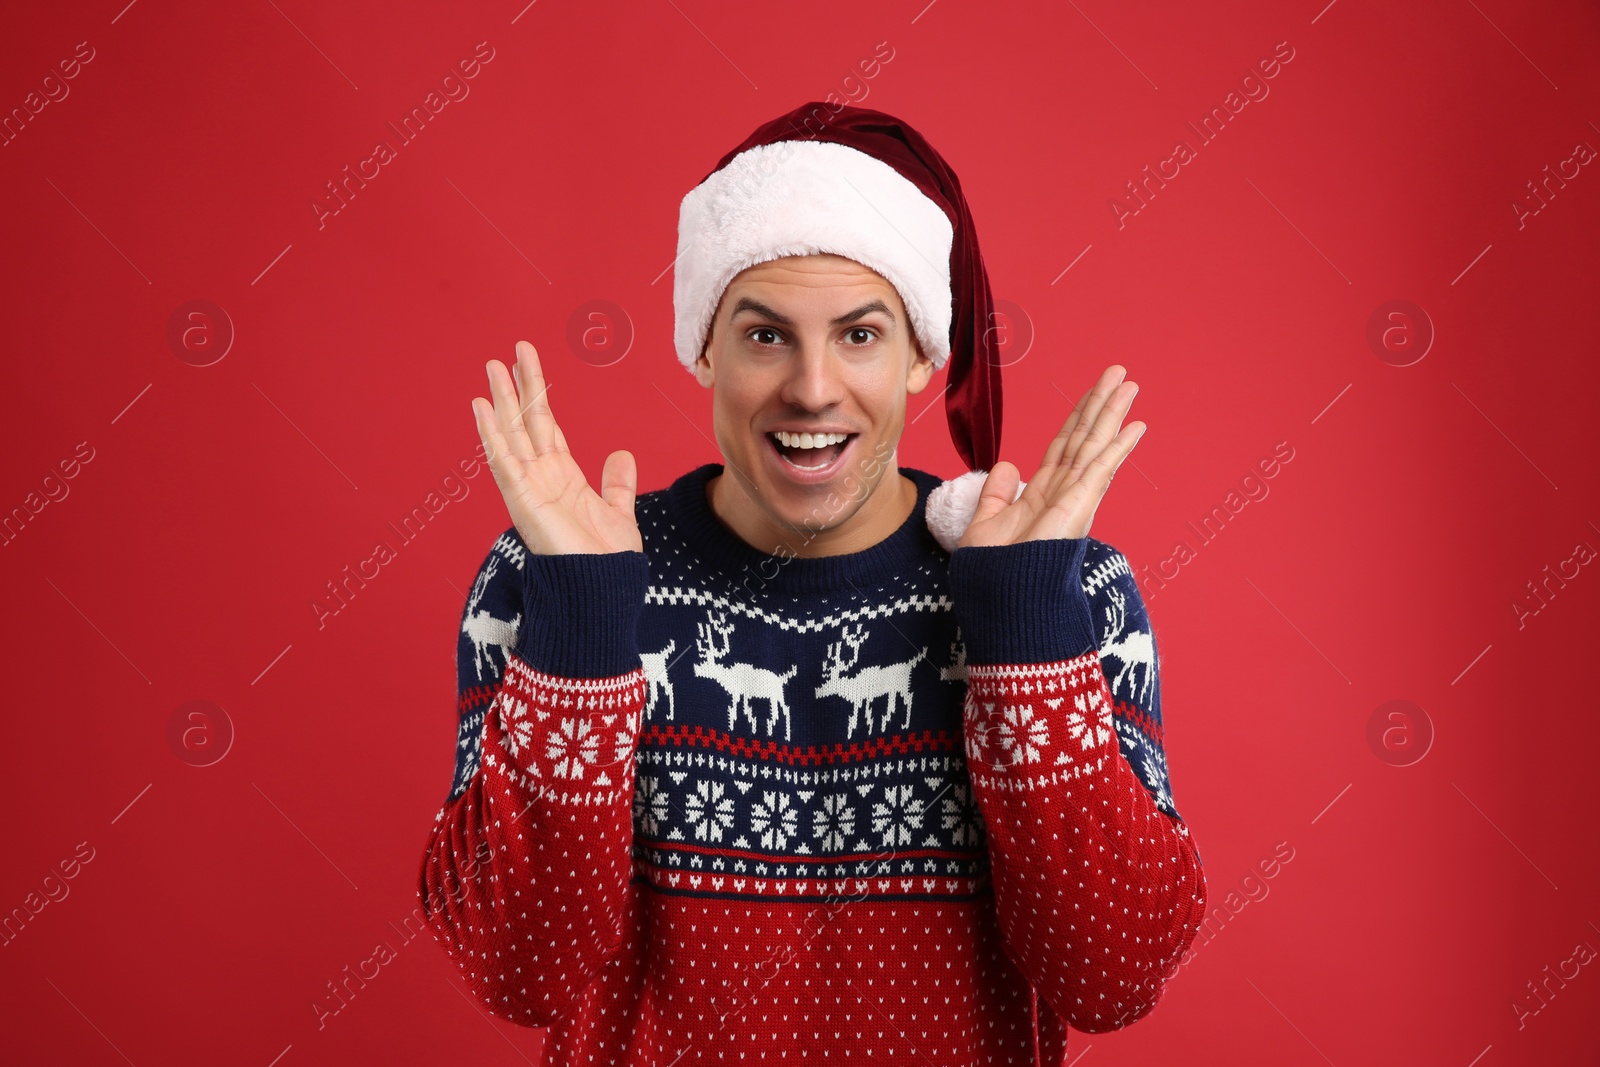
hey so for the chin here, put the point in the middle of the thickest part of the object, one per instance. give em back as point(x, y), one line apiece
point(824, 513)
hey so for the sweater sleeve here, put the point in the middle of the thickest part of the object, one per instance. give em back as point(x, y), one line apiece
point(525, 880)
point(1099, 889)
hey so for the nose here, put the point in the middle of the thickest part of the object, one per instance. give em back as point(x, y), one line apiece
point(814, 381)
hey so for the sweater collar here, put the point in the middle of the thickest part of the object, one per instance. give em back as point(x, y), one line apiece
point(716, 545)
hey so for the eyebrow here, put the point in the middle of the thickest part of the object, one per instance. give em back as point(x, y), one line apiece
point(747, 304)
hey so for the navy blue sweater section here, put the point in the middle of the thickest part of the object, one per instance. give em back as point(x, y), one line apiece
point(704, 606)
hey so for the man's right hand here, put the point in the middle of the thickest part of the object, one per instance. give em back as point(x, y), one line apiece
point(550, 501)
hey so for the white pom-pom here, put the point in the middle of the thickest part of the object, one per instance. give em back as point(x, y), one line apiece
point(952, 504)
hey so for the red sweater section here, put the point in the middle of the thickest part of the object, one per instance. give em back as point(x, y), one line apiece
point(1092, 897)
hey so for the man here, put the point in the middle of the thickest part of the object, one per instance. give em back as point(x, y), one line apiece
point(773, 762)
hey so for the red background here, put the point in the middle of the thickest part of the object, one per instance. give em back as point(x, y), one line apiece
point(1384, 562)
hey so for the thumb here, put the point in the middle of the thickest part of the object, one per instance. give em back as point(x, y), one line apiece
point(999, 490)
point(619, 481)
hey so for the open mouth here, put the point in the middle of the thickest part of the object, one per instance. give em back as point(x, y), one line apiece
point(816, 455)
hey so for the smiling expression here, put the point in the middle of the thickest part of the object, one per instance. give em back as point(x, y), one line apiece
point(811, 344)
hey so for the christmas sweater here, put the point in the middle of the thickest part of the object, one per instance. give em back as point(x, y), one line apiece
point(712, 804)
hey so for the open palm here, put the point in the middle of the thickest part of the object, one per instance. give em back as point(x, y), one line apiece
point(550, 501)
point(1062, 497)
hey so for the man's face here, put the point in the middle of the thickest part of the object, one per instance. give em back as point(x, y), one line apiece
point(810, 344)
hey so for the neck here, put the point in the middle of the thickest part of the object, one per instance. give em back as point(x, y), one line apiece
point(886, 508)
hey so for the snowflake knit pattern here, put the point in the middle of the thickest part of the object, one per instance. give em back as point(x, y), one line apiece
point(716, 805)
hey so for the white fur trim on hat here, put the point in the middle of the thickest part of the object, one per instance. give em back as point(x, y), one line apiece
point(952, 504)
point(798, 198)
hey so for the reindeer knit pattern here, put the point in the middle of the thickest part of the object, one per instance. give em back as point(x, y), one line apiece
point(716, 805)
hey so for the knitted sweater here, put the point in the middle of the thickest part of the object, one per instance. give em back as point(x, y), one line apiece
point(714, 804)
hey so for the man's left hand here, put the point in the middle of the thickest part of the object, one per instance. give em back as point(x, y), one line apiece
point(1061, 498)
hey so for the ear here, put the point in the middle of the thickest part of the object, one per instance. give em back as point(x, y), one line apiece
point(702, 365)
point(920, 372)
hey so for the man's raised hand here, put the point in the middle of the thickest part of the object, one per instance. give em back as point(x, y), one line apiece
point(550, 501)
point(1061, 499)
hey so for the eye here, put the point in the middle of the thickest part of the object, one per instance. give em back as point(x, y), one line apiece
point(870, 333)
point(754, 334)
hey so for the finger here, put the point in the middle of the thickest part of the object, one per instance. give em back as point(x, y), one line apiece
point(999, 490)
point(1076, 428)
point(505, 467)
point(561, 438)
point(1090, 426)
point(538, 419)
point(1076, 501)
point(619, 481)
point(1107, 424)
point(1103, 467)
point(507, 412)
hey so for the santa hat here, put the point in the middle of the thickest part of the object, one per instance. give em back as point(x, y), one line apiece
point(857, 183)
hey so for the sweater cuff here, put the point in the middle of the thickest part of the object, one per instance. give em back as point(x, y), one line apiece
point(1022, 603)
point(581, 612)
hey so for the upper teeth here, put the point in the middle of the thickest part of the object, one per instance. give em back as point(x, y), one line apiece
point(810, 440)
